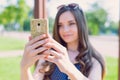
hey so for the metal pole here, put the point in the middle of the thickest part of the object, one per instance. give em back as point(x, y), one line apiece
point(39, 9)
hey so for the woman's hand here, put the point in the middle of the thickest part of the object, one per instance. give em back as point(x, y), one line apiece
point(33, 47)
point(57, 54)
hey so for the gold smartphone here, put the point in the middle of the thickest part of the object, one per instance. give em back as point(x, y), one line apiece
point(38, 27)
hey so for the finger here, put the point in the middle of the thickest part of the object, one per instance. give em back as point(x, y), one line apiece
point(52, 46)
point(39, 57)
point(37, 39)
point(39, 43)
point(50, 39)
point(48, 35)
point(40, 50)
point(51, 52)
point(50, 58)
point(30, 38)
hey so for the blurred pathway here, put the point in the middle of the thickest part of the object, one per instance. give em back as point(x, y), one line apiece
point(11, 53)
point(106, 45)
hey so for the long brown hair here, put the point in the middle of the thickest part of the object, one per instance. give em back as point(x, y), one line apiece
point(86, 51)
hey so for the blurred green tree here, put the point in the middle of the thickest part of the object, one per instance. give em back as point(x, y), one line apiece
point(51, 24)
point(96, 18)
point(8, 16)
point(113, 28)
point(13, 14)
point(22, 12)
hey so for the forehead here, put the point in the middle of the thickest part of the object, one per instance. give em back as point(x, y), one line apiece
point(66, 16)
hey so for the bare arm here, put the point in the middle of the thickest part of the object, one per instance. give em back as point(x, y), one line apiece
point(75, 74)
point(37, 75)
point(30, 56)
point(26, 74)
point(95, 73)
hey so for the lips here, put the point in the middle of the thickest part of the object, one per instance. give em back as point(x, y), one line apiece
point(67, 35)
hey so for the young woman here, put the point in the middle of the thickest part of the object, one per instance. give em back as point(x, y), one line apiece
point(69, 54)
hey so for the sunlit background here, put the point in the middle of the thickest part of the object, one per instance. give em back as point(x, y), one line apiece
point(15, 15)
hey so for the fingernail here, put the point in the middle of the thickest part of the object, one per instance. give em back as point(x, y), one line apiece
point(43, 35)
point(46, 56)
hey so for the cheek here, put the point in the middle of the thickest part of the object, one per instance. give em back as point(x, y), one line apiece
point(75, 30)
point(76, 33)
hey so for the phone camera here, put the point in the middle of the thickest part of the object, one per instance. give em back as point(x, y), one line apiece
point(38, 24)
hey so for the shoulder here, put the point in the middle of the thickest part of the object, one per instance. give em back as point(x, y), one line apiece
point(96, 70)
point(96, 63)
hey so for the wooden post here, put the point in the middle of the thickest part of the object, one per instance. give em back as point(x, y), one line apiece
point(119, 61)
point(119, 54)
point(39, 9)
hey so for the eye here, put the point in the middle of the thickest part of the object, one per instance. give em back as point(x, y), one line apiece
point(72, 23)
point(59, 25)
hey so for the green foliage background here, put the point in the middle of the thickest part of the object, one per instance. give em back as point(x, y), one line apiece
point(97, 19)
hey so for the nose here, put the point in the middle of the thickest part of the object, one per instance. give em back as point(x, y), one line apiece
point(66, 29)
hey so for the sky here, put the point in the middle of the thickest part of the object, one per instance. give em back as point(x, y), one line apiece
point(111, 6)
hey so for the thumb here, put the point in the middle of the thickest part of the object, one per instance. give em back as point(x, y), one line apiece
point(30, 38)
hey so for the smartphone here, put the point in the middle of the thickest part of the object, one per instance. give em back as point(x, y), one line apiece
point(38, 27)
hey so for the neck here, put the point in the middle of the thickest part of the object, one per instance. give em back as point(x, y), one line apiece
point(72, 46)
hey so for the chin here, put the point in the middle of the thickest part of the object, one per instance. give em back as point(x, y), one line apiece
point(68, 41)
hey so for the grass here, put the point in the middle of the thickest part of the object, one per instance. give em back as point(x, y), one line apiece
point(10, 68)
point(112, 68)
point(7, 44)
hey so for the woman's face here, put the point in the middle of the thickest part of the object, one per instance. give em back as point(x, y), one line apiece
point(68, 27)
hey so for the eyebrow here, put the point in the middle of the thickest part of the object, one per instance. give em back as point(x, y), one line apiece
point(68, 21)
point(72, 21)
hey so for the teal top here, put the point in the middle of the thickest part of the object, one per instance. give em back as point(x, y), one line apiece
point(58, 75)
